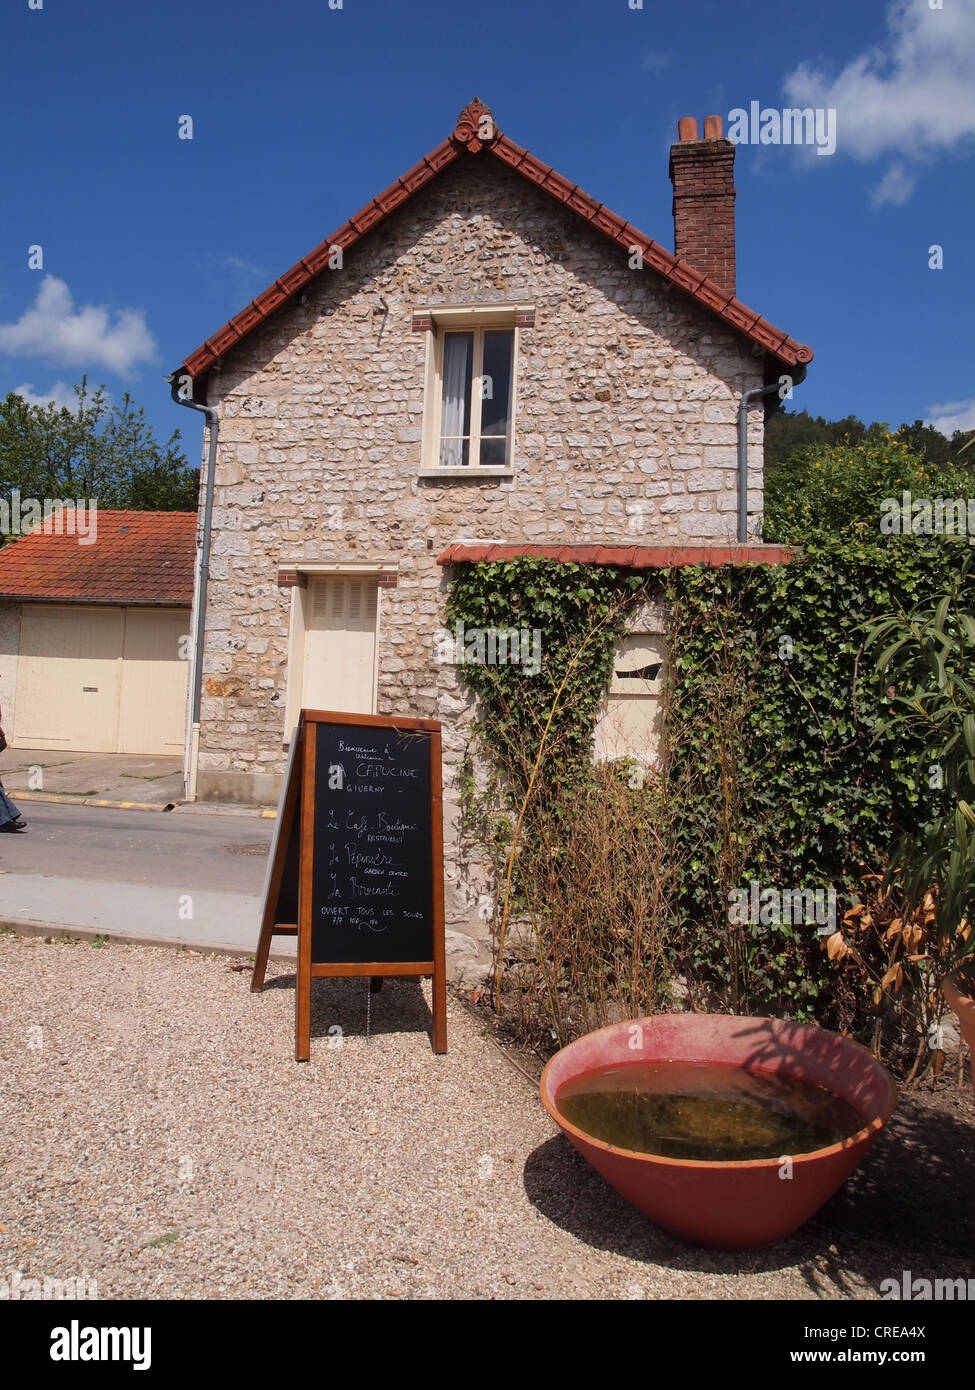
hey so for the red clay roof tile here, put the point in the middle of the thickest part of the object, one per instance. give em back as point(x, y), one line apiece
point(136, 557)
point(636, 557)
point(461, 145)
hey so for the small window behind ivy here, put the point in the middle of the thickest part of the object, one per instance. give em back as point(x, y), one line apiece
point(631, 715)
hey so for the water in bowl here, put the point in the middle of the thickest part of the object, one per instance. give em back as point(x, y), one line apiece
point(705, 1111)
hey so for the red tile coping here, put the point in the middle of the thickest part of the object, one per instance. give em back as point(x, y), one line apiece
point(635, 557)
point(136, 557)
point(476, 131)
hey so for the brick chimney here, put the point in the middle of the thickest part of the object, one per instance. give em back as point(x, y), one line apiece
point(703, 175)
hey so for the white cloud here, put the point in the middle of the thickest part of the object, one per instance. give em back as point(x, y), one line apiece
point(654, 61)
point(951, 416)
point(895, 187)
point(59, 393)
point(909, 96)
point(246, 279)
point(237, 263)
point(54, 330)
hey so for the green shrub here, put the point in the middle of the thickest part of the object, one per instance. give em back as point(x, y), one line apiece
point(827, 491)
point(822, 785)
point(781, 766)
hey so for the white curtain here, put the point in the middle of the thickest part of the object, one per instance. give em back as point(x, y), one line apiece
point(456, 387)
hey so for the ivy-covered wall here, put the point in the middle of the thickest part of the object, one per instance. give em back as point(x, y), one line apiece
point(785, 776)
point(494, 715)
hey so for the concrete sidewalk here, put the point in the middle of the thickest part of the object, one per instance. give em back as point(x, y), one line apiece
point(121, 778)
point(40, 905)
point(170, 880)
point(147, 782)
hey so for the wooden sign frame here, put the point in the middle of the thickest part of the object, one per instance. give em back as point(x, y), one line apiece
point(277, 859)
point(296, 814)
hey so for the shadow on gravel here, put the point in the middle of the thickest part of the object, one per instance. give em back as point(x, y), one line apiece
point(564, 1188)
point(915, 1189)
point(399, 1007)
point(908, 1207)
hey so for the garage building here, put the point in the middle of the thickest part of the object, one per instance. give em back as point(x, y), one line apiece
point(94, 635)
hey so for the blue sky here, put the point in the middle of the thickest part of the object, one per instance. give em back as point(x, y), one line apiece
point(302, 113)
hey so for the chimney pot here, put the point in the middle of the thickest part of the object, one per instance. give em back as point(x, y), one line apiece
point(712, 127)
point(687, 128)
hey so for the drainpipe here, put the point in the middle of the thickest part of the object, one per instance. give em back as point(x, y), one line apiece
point(203, 573)
point(743, 404)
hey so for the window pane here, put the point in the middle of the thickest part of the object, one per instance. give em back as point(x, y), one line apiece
point(454, 453)
point(455, 426)
point(496, 383)
point(494, 451)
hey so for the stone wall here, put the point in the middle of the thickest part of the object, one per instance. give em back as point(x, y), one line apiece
point(625, 432)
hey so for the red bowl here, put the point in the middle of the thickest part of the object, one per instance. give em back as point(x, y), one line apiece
point(729, 1205)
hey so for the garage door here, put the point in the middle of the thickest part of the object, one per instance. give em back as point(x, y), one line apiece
point(101, 680)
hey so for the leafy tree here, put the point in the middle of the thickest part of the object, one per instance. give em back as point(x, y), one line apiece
point(825, 490)
point(101, 452)
point(788, 432)
point(931, 444)
point(930, 663)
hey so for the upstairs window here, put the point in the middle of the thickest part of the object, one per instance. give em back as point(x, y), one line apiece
point(470, 387)
point(476, 375)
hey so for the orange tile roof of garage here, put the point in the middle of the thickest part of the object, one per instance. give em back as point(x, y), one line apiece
point(136, 557)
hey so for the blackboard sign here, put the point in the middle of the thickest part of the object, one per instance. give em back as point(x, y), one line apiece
point(356, 868)
point(372, 877)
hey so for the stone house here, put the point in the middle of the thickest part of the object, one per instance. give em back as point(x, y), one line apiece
point(482, 361)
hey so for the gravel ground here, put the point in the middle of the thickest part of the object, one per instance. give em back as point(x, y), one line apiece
point(161, 1140)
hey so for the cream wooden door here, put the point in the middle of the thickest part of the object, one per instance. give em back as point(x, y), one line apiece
point(340, 644)
point(101, 680)
point(68, 678)
point(152, 701)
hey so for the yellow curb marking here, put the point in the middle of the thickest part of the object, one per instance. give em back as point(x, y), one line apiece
point(126, 805)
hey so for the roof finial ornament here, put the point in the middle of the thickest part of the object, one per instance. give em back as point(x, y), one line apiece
point(475, 126)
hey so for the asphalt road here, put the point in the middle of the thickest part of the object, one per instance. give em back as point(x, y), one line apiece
point(150, 875)
point(139, 846)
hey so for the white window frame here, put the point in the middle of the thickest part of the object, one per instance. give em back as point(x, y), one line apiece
point(476, 320)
